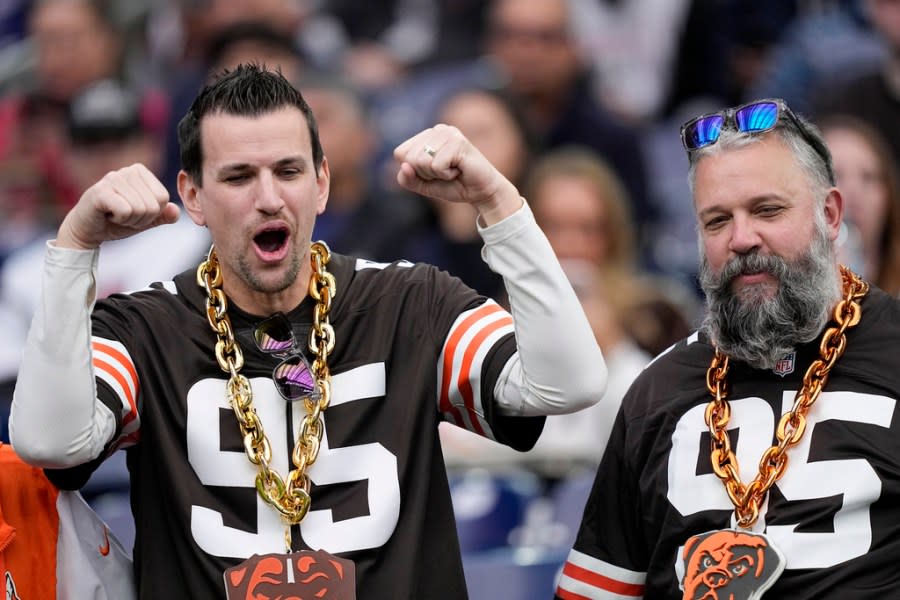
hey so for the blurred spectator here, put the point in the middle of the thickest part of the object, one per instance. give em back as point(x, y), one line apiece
point(200, 22)
point(583, 209)
point(632, 47)
point(378, 44)
point(723, 48)
point(869, 182)
point(875, 96)
point(362, 218)
point(535, 47)
point(76, 43)
point(107, 127)
point(450, 239)
point(107, 132)
point(818, 50)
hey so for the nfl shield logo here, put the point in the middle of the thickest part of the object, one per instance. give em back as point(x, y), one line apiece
point(785, 364)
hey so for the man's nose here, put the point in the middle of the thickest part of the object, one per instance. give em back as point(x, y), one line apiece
point(268, 195)
point(744, 236)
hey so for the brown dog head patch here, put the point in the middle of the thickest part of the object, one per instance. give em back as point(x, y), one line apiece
point(302, 575)
point(729, 565)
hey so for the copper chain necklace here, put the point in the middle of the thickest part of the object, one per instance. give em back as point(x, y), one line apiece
point(291, 498)
point(747, 498)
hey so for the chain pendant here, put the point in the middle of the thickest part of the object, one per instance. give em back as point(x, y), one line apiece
point(729, 563)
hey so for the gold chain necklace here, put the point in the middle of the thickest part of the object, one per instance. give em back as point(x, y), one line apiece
point(772, 465)
point(291, 499)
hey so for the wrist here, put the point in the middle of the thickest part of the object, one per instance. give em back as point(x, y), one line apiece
point(67, 238)
point(502, 204)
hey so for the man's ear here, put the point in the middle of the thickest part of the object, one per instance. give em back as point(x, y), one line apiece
point(834, 212)
point(189, 192)
point(323, 185)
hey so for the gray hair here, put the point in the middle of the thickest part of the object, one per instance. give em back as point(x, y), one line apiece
point(818, 168)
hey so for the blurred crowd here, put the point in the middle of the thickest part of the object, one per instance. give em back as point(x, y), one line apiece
point(578, 102)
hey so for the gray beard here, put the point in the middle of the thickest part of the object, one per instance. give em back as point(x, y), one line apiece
point(757, 329)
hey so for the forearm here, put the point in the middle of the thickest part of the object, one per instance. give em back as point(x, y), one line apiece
point(56, 419)
point(559, 367)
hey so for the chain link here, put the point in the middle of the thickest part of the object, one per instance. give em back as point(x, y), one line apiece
point(291, 499)
point(748, 498)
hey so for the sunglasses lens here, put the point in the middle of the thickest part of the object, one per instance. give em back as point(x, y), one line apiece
point(294, 378)
point(703, 132)
point(757, 117)
point(274, 335)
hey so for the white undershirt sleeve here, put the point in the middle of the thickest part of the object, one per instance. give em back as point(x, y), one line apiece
point(559, 367)
point(57, 420)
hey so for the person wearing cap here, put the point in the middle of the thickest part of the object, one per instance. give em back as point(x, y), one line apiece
point(279, 403)
point(109, 126)
point(761, 455)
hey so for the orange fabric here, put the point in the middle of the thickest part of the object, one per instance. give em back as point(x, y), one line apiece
point(28, 521)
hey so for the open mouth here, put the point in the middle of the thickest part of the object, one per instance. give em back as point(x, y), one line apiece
point(271, 240)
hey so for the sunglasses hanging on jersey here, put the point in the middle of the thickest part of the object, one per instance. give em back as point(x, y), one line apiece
point(293, 376)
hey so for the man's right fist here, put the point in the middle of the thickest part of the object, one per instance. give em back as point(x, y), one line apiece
point(123, 203)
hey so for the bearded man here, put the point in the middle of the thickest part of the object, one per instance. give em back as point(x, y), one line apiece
point(775, 422)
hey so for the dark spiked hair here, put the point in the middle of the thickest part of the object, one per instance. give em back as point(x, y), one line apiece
point(247, 90)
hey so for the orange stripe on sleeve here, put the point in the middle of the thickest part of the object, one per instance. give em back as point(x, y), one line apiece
point(567, 595)
point(122, 359)
point(465, 385)
point(603, 582)
point(450, 349)
point(111, 370)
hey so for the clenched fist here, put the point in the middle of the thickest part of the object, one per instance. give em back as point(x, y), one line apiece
point(123, 203)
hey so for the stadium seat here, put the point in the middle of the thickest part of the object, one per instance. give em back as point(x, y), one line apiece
point(490, 505)
point(513, 573)
point(569, 497)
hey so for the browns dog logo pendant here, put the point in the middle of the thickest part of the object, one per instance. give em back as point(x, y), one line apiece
point(727, 564)
point(304, 575)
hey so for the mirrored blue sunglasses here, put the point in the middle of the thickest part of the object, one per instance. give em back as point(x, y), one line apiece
point(754, 117)
point(293, 376)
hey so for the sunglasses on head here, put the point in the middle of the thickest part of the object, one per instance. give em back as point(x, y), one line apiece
point(754, 117)
point(293, 376)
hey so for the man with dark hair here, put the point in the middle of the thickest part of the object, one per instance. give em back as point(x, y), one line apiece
point(279, 404)
point(762, 452)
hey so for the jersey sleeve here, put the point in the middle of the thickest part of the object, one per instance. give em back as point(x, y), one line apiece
point(475, 349)
point(118, 389)
point(606, 561)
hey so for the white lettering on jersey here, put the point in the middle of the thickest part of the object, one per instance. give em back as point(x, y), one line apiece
point(853, 479)
point(366, 462)
point(362, 263)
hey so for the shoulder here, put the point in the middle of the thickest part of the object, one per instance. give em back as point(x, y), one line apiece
point(679, 368)
point(365, 278)
point(182, 293)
